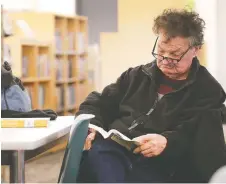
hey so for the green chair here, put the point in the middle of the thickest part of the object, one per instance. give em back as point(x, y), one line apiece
point(73, 153)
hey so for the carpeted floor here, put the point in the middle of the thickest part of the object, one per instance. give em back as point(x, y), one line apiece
point(41, 170)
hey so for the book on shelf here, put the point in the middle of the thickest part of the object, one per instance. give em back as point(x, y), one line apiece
point(81, 42)
point(25, 62)
point(70, 68)
point(71, 95)
point(116, 136)
point(41, 96)
point(59, 41)
point(82, 68)
point(24, 122)
point(67, 97)
point(91, 76)
point(60, 98)
point(59, 69)
point(43, 65)
point(71, 41)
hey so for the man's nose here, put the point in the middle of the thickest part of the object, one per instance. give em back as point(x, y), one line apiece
point(164, 61)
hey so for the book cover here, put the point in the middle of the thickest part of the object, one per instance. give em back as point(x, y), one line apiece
point(116, 136)
point(24, 122)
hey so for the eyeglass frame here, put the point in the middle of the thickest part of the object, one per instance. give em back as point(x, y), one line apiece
point(166, 58)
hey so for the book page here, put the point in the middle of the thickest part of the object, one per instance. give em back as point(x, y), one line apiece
point(120, 134)
point(100, 130)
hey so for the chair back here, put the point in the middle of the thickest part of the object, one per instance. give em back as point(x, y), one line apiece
point(73, 153)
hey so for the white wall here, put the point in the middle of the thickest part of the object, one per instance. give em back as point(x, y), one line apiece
point(57, 6)
point(221, 42)
point(208, 11)
point(17, 4)
point(214, 13)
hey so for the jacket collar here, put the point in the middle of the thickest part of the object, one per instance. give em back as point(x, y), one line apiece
point(152, 70)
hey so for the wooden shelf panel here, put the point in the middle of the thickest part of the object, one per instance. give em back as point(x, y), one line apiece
point(72, 108)
point(72, 80)
point(71, 53)
point(35, 79)
point(34, 42)
point(44, 79)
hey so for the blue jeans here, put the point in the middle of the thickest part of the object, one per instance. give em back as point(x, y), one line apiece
point(108, 162)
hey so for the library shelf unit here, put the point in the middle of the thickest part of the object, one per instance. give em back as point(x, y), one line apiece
point(70, 58)
point(61, 40)
point(31, 60)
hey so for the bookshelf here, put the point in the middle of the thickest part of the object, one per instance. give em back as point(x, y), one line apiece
point(31, 61)
point(70, 59)
point(49, 53)
point(51, 60)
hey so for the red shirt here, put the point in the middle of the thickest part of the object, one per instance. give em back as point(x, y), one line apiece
point(168, 85)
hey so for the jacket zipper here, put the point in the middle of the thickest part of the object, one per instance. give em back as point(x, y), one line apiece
point(134, 123)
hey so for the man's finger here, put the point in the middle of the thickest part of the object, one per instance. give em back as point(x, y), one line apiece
point(92, 130)
point(91, 136)
point(137, 150)
point(147, 151)
point(141, 139)
point(149, 155)
point(146, 146)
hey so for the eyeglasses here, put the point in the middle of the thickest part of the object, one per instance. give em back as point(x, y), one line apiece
point(168, 59)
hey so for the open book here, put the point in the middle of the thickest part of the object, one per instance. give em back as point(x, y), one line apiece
point(116, 136)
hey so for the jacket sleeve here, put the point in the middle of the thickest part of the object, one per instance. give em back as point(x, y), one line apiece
point(209, 150)
point(105, 105)
point(200, 135)
point(180, 137)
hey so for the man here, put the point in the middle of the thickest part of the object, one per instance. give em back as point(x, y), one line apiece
point(172, 106)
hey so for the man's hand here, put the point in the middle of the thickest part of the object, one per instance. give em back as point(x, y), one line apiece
point(151, 144)
point(89, 139)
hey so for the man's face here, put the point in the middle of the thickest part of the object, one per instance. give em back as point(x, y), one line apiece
point(175, 48)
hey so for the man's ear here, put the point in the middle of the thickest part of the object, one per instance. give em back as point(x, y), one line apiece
point(196, 50)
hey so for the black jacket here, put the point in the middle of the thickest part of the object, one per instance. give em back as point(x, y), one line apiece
point(190, 117)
